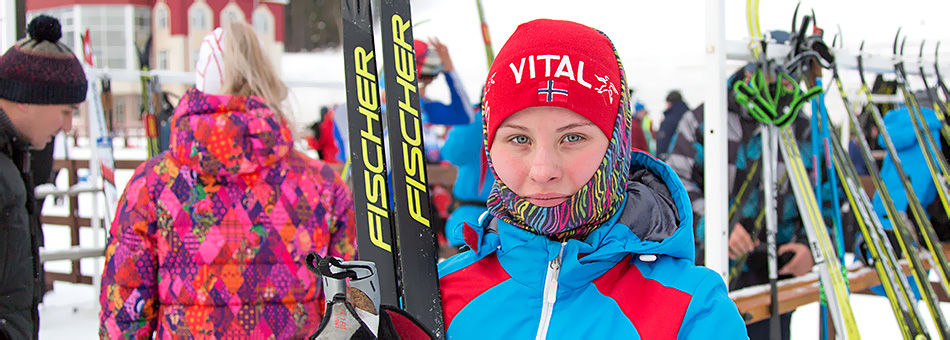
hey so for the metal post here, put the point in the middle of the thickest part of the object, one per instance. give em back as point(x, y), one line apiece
point(8, 22)
point(20, 22)
point(715, 134)
point(95, 177)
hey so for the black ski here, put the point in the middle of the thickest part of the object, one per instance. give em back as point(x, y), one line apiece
point(374, 229)
point(150, 87)
point(883, 256)
point(394, 230)
point(416, 243)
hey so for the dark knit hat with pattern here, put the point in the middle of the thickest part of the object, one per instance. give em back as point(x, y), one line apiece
point(40, 69)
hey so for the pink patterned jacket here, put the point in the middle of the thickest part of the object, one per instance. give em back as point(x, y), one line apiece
point(210, 237)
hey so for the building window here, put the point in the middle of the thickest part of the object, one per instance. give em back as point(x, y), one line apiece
point(119, 110)
point(143, 28)
point(262, 23)
point(199, 18)
point(108, 32)
point(231, 13)
point(161, 18)
point(163, 60)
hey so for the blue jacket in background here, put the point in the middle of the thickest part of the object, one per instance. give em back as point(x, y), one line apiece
point(901, 129)
point(664, 136)
point(465, 149)
point(632, 278)
point(458, 111)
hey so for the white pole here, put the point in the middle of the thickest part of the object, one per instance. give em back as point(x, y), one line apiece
point(7, 25)
point(716, 141)
point(95, 178)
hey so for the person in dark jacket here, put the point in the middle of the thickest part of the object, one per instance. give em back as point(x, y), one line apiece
point(675, 109)
point(746, 236)
point(41, 85)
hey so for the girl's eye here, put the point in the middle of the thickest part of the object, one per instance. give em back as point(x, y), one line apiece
point(573, 138)
point(520, 139)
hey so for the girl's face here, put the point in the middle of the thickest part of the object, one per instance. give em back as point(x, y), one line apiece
point(546, 154)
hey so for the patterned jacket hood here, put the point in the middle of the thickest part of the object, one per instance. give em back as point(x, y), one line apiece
point(223, 135)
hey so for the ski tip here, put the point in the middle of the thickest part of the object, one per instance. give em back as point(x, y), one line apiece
point(897, 37)
point(356, 11)
point(795, 16)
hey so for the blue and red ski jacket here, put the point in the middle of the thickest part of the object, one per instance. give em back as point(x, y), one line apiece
point(632, 278)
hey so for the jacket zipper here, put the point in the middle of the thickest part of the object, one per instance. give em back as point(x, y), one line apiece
point(550, 294)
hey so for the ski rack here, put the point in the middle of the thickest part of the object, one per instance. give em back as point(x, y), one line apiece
point(753, 301)
point(718, 51)
point(844, 58)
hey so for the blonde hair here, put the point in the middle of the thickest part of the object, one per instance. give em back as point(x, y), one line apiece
point(248, 71)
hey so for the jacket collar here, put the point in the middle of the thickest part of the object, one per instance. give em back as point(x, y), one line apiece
point(10, 138)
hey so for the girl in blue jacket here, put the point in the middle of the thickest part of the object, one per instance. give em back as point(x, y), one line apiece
point(583, 238)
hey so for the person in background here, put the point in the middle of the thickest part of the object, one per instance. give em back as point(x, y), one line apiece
point(746, 238)
point(646, 124)
point(464, 149)
point(638, 138)
point(41, 86)
point(584, 237)
point(911, 155)
point(322, 137)
point(432, 60)
point(210, 237)
point(675, 109)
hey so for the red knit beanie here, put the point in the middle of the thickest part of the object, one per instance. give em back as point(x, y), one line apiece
point(554, 63)
point(40, 69)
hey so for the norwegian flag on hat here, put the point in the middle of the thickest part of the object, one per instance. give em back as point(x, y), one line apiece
point(552, 91)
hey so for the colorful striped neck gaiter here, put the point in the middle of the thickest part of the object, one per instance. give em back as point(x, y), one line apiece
point(587, 209)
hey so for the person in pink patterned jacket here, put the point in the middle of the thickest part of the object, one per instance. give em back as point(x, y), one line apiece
point(210, 237)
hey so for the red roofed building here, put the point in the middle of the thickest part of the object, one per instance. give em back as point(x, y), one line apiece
point(178, 26)
point(120, 27)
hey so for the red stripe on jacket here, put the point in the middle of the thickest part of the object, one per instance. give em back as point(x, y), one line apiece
point(464, 285)
point(626, 285)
